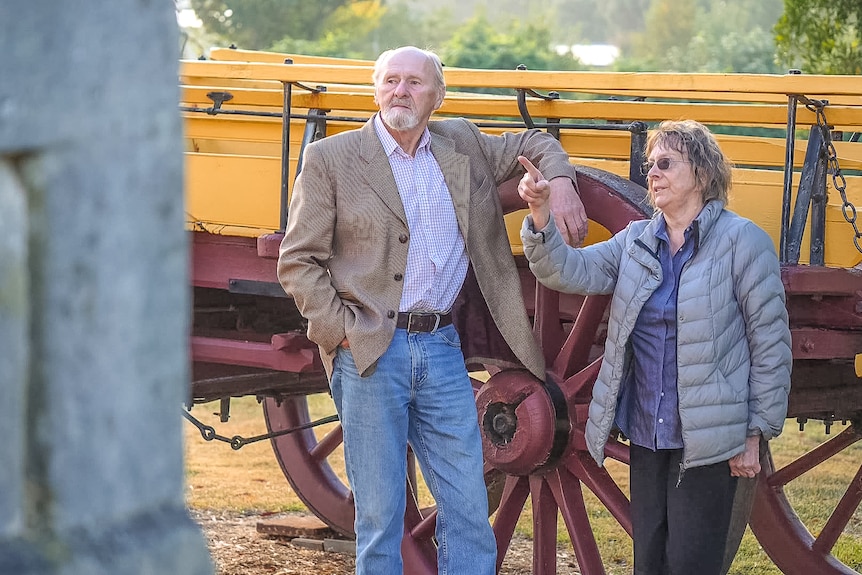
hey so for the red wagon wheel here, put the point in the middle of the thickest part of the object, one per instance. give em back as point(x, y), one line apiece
point(784, 536)
point(534, 431)
point(532, 455)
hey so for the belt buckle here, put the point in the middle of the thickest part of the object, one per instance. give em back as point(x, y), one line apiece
point(420, 323)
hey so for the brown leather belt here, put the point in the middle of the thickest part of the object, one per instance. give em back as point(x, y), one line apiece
point(424, 322)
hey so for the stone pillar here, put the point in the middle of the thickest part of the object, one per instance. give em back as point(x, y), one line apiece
point(94, 297)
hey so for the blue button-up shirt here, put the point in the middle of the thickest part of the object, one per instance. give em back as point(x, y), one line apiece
point(648, 412)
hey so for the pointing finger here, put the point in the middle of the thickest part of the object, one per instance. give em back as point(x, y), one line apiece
point(531, 169)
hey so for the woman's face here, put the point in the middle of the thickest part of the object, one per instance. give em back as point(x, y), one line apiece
point(672, 184)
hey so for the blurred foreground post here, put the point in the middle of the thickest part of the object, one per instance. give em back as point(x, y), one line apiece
point(93, 292)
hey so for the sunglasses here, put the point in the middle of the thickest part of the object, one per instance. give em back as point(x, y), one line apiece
point(662, 163)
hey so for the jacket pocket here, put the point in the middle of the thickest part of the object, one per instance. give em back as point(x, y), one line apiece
point(732, 389)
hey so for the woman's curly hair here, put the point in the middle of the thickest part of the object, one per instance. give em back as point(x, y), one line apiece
point(694, 141)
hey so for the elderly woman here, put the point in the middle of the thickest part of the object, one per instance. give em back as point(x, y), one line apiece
point(697, 358)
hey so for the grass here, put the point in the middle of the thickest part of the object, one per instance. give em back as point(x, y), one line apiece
point(246, 480)
point(250, 481)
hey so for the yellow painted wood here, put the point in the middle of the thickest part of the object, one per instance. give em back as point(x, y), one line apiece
point(233, 190)
point(226, 54)
point(236, 55)
point(576, 82)
point(859, 365)
point(846, 118)
point(743, 150)
point(234, 165)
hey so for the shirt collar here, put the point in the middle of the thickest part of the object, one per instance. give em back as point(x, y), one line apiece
point(661, 227)
point(389, 143)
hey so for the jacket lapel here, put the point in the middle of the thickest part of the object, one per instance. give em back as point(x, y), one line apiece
point(456, 172)
point(377, 172)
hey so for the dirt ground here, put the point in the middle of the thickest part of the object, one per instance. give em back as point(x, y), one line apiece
point(238, 549)
point(229, 492)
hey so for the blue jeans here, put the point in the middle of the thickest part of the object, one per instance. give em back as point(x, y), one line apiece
point(421, 393)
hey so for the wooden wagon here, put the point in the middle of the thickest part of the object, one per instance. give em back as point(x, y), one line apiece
point(794, 140)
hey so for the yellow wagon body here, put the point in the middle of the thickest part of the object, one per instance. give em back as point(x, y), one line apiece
point(233, 162)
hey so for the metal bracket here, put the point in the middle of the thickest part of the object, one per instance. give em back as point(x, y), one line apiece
point(218, 98)
point(522, 105)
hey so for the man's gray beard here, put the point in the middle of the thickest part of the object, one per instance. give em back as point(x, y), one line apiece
point(400, 120)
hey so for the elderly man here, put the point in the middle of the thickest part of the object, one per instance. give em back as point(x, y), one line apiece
point(383, 223)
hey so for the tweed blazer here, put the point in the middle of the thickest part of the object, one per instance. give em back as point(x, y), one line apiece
point(344, 252)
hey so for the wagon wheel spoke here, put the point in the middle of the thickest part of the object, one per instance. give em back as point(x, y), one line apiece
point(813, 458)
point(307, 461)
point(617, 450)
point(581, 383)
point(781, 531)
point(568, 495)
point(849, 502)
point(840, 517)
point(599, 481)
point(328, 444)
point(424, 528)
point(575, 352)
point(515, 494)
point(544, 527)
point(418, 549)
point(546, 322)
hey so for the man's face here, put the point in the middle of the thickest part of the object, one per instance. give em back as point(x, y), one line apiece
point(406, 91)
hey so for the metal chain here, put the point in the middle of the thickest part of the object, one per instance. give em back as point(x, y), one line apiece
point(838, 180)
point(208, 432)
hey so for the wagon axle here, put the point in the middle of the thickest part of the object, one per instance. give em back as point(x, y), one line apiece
point(500, 423)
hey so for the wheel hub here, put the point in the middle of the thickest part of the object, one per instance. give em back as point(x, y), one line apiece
point(520, 422)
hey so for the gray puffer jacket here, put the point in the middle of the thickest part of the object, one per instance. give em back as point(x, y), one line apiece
point(733, 339)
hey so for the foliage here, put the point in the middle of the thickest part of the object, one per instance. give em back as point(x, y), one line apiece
point(667, 35)
point(258, 24)
point(479, 44)
point(698, 36)
point(347, 34)
point(363, 29)
point(821, 36)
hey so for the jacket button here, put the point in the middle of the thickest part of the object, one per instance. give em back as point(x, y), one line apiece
point(402, 238)
point(390, 314)
point(398, 277)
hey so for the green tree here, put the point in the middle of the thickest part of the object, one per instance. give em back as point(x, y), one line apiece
point(702, 36)
point(821, 36)
point(626, 19)
point(400, 25)
point(258, 24)
point(479, 44)
point(733, 37)
point(363, 29)
point(579, 22)
point(669, 28)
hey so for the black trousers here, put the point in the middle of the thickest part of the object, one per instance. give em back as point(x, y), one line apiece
point(678, 529)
